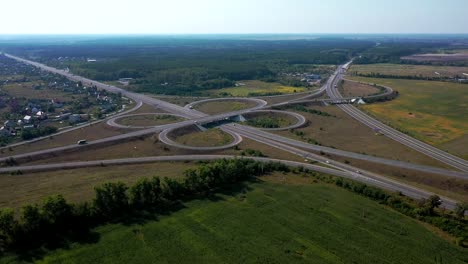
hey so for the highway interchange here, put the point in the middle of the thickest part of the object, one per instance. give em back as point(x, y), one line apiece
point(194, 117)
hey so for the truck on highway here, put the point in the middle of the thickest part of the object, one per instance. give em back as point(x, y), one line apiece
point(81, 142)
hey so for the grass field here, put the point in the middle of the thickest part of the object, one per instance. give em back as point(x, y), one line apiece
point(350, 88)
point(257, 88)
point(149, 120)
point(342, 131)
point(435, 112)
point(270, 222)
point(217, 107)
point(77, 184)
point(209, 138)
point(409, 70)
point(26, 90)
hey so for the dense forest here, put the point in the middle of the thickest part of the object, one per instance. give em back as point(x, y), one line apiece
point(188, 66)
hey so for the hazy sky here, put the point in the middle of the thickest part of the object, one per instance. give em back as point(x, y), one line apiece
point(232, 16)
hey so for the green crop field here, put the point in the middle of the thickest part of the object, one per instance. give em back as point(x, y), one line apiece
point(257, 88)
point(270, 222)
point(435, 112)
point(409, 70)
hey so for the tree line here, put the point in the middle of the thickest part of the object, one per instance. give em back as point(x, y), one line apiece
point(55, 221)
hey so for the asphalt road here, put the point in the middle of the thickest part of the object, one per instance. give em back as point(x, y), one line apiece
point(200, 118)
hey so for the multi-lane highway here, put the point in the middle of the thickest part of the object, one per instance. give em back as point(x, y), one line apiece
point(198, 118)
point(404, 139)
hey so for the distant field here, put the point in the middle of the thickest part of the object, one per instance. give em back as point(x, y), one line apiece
point(217, 107)
point(209, 138)
point(270, 222)
point(438, 57)
point(257, 88)
point(409, 70)
point(435, 112)
point(26, 90)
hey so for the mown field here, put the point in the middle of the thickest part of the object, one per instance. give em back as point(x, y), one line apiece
point(435, 112)
point(257, 88)
point(149, 120)
point(409, 70)
point(270, 222)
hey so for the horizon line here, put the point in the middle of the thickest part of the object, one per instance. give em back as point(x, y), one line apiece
point(244, 33)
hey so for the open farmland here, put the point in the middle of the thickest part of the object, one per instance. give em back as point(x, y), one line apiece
point(408, 70)
point(435, 112)
point(77, 185)
point(257, 88)
point(438, 57)
point(270, 223)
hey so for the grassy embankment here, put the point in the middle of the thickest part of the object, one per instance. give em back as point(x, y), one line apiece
point(342, 131)
point(149, 120)
point(435, 112)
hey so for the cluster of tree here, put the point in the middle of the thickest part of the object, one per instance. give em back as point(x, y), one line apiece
point(55, 221)
point(253, 153)
point(264, 122)
point(302, 108)
point(27, 134)
point(4, 140)
point(385, 98)
point(453, 223)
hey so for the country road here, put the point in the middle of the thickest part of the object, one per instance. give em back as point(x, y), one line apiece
point(380, 182)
